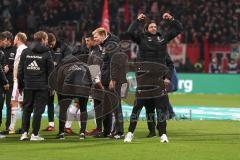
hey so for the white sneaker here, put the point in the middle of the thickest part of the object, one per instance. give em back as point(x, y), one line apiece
point(82, 136)
point(36, 138)
point(2, 136)
point(128, 137)
point(24, 136)
point(164, 138)
point(11, 131)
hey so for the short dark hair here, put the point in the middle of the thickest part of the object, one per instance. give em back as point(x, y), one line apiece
point(2, 37)
point(88, 35)
point(9, 35)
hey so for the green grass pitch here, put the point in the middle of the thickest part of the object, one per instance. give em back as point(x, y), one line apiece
point(207, 100)
point(198, 140)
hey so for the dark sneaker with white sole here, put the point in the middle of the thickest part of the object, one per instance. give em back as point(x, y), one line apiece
point(82, 136)
point(61, 136)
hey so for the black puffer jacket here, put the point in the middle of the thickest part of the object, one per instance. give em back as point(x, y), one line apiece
point(113, 67)
point(3, 79)
point(2, 58)
point(72, 77)
point(152, 47)
point(10, 53)
point(35, 66)
point(60, 51)
point(79, 50)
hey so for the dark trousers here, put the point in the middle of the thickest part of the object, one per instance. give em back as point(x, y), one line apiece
point(115, 111)
point(50, 108)
point(98, 114)
point(106, 115)
point(107, 124)
point(160, 104)
point(150, 114)
point(118, 114)
point(103, 117)
point(64, 103)
point(1, 103)
point(83, 113)
point(33, 101)
point(6, 96)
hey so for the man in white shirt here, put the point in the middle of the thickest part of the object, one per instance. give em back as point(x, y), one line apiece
point(17, 98)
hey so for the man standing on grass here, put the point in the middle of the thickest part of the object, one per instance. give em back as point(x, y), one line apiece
point(152, 50)
point(113, 75)
point(35, 66)
point(9, 52)
point(4, 85)
point(17, 97)
point(59, 50)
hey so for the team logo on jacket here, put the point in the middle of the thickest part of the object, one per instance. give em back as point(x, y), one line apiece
point(74, 68)
point(12, 55)
point(159, 39)
point(58, 51)
point(103, 51)
point(149, 39)
point(33, 66)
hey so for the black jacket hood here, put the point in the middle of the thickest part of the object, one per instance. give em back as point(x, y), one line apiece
point(111, 37)
point(37, 47)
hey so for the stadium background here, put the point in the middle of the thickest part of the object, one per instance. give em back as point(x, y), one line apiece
point(211, 31)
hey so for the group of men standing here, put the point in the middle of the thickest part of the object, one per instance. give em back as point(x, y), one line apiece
point(31, 75)
point(31, 68)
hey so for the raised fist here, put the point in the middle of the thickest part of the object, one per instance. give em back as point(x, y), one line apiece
point(141, 17)
point(167, 16)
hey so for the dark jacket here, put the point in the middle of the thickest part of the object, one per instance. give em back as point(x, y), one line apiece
point(35, 66)
point(95, 56)
point(80, 50)
point(10, 53)
point(60, 51)
point(72, 77)
point(2, 58)
point(152, 47)
point(3, 79)
point(174, 78)
point(112, 69)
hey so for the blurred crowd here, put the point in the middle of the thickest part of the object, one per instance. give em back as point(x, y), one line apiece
point(216, 66)
point(217, 20)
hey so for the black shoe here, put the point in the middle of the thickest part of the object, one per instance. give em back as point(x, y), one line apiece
point(98, 134)
point(60, 136)
point(6, 132)
point(111, 135)
point(151, 134)
point(82, 136)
